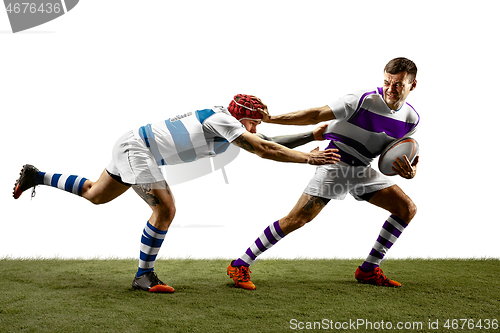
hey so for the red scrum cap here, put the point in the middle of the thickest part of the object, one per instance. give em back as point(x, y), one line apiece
point(245, 107)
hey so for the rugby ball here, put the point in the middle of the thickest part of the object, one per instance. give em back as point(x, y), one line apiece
point(397, 148)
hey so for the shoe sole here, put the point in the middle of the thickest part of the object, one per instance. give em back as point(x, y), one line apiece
point(162, 289)
point(379, 285)
point(17, 190)
point(159, 289)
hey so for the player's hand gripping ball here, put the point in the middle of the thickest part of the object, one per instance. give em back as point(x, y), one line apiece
point(397, 149)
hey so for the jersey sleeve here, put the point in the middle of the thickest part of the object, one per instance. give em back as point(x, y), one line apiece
point(225, 126)
point(412, 131)
point(346, 105)
point(338, 109)
point(289, 141)
point(412, 121)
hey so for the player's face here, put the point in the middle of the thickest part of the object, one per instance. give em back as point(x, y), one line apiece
point(250, 125)
point(396, 88)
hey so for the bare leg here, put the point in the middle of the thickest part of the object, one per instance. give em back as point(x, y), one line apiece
point(402, 210)
point(394, 200)
point(103, 190)
point(159, 197)
point(305, 210)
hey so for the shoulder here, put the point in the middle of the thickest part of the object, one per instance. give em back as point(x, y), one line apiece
point(366, 93)
point(209, 114)
point(221, 123)
point(370, 94)
point(217, 115)
point(412, 114)
point(357, 97)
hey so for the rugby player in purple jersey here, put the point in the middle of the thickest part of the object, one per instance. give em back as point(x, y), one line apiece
point(362, 125)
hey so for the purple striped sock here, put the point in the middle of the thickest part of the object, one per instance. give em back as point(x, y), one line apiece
point(271, 235)
point(389, 234)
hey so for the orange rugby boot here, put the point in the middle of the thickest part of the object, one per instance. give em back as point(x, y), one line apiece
point(375, 277)
point(240, 276)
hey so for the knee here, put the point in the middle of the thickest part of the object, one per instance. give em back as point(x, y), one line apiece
point(97, 200)
point(165, 215)
point(407, 212)
point(95, 197)
point(413, 210)
point(171, 213)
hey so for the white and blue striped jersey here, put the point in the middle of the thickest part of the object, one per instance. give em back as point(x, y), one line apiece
point(365, 125)
point(190, 136)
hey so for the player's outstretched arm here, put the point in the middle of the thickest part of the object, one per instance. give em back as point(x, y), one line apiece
point(289, 141)
point(303, 117)
point(272, 151)
point(294, 140)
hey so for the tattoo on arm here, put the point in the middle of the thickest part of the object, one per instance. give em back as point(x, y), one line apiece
point(243, 143)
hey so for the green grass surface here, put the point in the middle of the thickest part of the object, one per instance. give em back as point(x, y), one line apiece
point(291, 295)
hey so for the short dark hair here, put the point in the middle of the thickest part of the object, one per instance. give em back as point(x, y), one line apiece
point(398, 65)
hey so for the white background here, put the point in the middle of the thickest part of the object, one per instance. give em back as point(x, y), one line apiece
point(71, 87)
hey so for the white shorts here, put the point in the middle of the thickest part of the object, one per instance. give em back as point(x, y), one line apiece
point(334, 181)
point(133, 162)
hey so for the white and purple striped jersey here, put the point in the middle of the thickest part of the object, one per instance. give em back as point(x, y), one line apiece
point(191, 136)
point(365, 125)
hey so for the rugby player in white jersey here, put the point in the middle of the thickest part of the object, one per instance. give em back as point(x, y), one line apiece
point(362, 125)
point(139, 153)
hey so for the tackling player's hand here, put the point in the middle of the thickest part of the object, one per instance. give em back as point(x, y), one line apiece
point(263, 111)
point(329, 156)
point(318, 132)
point(404, 168)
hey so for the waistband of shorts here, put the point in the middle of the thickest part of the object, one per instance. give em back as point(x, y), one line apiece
point(346, 157)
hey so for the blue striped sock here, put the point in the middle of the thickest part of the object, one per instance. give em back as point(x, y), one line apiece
point(151, 241)
point(271, 235)
point(389, 234)
point(69, 183)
